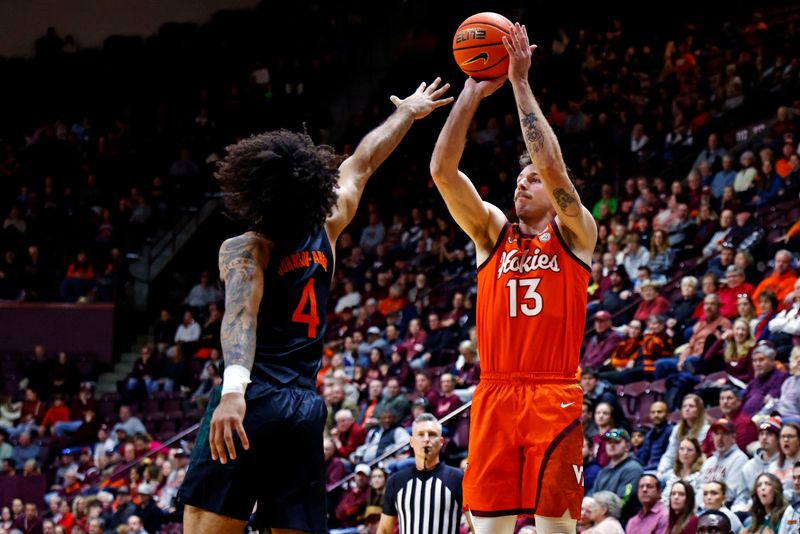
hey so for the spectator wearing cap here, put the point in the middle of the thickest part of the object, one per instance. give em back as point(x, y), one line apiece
point(726, 463)
point(734, 288)
point(622, 473)
point(148, 511)
point(125, 507)
point(373, 341)
point(790, 522)
point(789, 401)
point(769, 432)
point(602, 343)
point(652, 303)
point(723, 177)
point(782, 279)
point(765, 389)
point(654, 516)
point(730, 403)
point(354, 501)
point(347, 435)
point(656, 440)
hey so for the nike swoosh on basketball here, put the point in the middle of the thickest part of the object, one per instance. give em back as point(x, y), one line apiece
point(567, 404)
point(483, 55)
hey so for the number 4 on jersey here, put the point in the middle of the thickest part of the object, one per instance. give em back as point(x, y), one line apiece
point(310, 318)
point(530, 295)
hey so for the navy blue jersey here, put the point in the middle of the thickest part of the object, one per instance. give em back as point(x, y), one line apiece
point(292, 318)
point(425, 502)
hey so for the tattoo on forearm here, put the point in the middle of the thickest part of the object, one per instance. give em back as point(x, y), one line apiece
point(533, 133)
point(567, 203)
point(238, 333)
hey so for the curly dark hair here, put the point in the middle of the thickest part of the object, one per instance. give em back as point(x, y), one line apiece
point(280, 182)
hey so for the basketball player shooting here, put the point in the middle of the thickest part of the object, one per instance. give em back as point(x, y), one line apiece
point(525, 437)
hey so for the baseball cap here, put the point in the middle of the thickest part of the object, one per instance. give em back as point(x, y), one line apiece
point(145, 489)
point(729, 244)
point(773, 424)
point(617, 434)
point(602, 315)
point(363, 469)
point(722, 424)
point(374, 330)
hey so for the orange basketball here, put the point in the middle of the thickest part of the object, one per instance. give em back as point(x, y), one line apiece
point(478, 45)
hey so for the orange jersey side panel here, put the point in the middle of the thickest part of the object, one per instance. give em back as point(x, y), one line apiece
point(531, 305)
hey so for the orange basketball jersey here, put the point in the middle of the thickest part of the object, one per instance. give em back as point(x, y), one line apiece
point(531, 306)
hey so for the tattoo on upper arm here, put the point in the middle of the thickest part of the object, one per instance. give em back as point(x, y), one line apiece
point(567, 203)
point(533, 133)
point(238, 334)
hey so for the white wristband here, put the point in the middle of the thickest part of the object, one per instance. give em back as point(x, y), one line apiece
point(235, 379)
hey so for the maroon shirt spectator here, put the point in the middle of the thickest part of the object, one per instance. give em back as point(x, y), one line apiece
point(602, 343)
point(29, 522)
point(766, 386)
point(347, 435)
point(729, 293)
point(652, 303)
point(414, 341)
point(423, 389)
point(32, 407)
point(731, 406)
point(354, 501)
point(446, 400)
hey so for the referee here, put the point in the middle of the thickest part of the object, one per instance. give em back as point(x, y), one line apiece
point(426, 497)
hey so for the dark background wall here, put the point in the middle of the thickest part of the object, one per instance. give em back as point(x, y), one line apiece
point(75, 328)
point(90, 21)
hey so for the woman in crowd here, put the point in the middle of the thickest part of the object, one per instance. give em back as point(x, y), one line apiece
point(603, 422)
point(604, 514)
point(768, 304)
point(746, 309)
point(731, 352)
point(694, 423)
point(661, 256)
point(787, 456)
point(377, 486)
point(686, 468)
point(682, 519)
point(768, 505)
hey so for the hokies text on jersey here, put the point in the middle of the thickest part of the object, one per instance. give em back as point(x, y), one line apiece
point(526, 261)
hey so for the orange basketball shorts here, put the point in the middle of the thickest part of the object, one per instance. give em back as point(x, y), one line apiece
point(525, 446)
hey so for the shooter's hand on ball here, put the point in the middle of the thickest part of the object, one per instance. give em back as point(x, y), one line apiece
point(425, 99)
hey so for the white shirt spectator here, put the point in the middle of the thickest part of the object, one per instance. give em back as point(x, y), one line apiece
point(188, 333)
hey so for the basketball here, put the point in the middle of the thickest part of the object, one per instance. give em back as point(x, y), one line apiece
point(478, 45)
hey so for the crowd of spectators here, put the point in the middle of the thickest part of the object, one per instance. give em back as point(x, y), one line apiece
point(692, 276)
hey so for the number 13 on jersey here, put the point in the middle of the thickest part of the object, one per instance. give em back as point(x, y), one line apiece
point(531, 302)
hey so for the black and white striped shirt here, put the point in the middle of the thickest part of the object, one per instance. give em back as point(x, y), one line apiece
point(425, 502)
